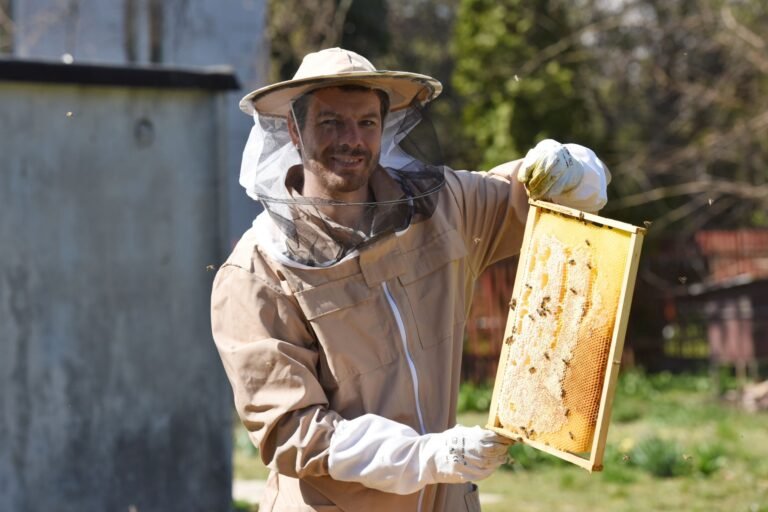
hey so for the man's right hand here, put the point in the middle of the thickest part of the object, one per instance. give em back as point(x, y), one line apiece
point(462, 454)
point(391, 457)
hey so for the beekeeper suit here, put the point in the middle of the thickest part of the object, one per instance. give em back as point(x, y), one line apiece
point(340, 314)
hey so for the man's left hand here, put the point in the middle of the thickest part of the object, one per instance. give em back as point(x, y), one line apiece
point(566, 174)
point(549, 170)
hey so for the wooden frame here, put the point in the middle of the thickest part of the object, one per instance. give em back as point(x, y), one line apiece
point(593, 461)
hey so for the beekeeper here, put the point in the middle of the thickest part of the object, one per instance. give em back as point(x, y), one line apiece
point(340, 314)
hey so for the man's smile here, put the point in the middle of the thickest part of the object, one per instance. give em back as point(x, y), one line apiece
point(348, 161)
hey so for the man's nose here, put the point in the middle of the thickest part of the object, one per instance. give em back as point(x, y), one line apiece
point(350, 134)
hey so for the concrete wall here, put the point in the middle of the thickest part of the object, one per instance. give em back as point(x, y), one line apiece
point(188, 33)
point(112, 393)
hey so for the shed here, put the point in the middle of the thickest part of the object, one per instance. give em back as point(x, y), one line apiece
point(732, 300)
point(111, 210)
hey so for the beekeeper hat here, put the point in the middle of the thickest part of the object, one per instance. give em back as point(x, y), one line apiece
point(336, 66)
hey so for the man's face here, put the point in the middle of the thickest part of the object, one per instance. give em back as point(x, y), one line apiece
point(340, 143)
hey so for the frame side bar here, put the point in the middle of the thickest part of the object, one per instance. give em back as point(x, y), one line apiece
point(560, 454)
point(617, 346)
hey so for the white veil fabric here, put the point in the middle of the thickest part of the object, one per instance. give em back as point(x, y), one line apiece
point(304, 234)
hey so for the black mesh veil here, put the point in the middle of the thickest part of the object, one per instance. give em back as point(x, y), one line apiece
point(307, 230)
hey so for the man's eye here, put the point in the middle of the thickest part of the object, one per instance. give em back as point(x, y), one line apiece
point(329, 122)
point(368, 122)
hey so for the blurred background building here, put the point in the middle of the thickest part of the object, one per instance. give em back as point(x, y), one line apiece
point(157, 33)
point(120, 143)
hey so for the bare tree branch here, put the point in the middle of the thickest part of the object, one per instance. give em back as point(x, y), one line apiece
point(335, 29)
point(681, 212)
point(714, 188)
point(563, 44)
point(740, 30)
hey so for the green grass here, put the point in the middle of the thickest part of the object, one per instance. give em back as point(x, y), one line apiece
point(245, 459)
point(672, 445)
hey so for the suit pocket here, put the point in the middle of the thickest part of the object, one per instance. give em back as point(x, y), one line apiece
point(353, 331)
point(434, 284)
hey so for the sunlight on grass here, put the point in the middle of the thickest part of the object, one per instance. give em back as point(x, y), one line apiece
point(672, 445)
point(245, 459)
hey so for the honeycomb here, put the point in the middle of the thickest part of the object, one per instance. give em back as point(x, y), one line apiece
point(559, 331)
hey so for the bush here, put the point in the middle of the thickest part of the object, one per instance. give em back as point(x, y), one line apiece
point(524, 457)
point(244, 506)
point(474, 397)
point(708, 458)
point(661, 458)
point(616, 466)
point(243, 443)
point(626, 411)
point(636, 383)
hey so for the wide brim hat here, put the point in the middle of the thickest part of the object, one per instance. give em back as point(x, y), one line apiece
point(336, 66)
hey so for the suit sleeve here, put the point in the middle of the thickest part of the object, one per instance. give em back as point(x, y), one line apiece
point(270, 358)
point(493, 208)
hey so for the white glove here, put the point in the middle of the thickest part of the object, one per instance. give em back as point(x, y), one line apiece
point(567, 174)
point(391, 457)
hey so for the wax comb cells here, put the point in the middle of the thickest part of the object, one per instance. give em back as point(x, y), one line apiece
point(569, 290)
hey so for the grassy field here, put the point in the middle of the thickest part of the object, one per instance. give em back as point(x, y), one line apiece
point(673, 444)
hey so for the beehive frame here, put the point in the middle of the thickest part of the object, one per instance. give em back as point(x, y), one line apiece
point(620, 236)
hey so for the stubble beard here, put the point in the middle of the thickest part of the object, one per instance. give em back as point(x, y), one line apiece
point(337, 181)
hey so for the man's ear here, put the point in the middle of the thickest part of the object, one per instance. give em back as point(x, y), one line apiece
point(293, 131)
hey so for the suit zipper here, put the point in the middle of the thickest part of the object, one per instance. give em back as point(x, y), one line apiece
point(411, 365)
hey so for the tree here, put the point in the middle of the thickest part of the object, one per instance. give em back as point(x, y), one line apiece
point(514, 95)
point(681, 87)
point(670, 93)
point(6, 27)
point(420, 41)
point(298, 27)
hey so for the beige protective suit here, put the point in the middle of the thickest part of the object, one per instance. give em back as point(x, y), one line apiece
point(380, 332)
